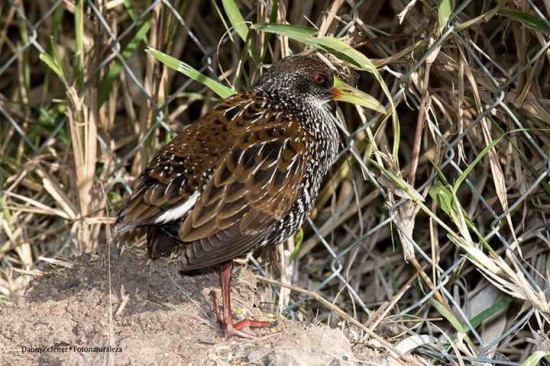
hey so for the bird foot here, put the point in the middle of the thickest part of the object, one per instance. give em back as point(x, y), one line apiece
point(231, 329)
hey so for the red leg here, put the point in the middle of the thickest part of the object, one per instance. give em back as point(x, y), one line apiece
point(247, 323)
point(217, 308)
point(225, 316)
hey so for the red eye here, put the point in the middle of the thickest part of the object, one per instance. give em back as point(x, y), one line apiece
point(319, 79)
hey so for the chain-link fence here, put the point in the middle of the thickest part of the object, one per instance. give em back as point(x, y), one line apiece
point(465, 199)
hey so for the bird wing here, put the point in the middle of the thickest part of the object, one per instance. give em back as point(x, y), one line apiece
point(254, 187)
point(229, 178)
point(171, 183)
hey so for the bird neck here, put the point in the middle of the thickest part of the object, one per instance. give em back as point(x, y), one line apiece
point(315, 117)
point(287, 98)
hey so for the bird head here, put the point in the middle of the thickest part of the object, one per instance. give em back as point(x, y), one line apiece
point(301, 78)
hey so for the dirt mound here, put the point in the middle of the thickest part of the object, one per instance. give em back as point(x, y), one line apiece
point(118, 310)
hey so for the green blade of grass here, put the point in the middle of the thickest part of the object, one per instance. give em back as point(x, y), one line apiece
point(272, 19)
point(79, 41)
point(297, 32)
point(55, 27)
point(344, 52)
point(495, 308)
point(452, 319)
point(529, 20)
point(480, 18)
point(476, 321)
point(447, 200)
point(447, 314)
point(218, 88)
point(236, 18)
point(444, 10)
point(25, 67)
point(53, 64)
point(298, 240)
point(328, 44)
point(444, 197)
point(478, 158)
point(224, 21)
point(128, 4)
point(399, 183)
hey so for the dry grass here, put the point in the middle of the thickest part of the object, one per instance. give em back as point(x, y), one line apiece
point(438, 222)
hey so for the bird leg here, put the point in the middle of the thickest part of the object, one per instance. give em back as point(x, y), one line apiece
point(224, 314)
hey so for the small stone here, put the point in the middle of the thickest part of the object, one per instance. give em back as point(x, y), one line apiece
point(206, 340)
point(258, 354)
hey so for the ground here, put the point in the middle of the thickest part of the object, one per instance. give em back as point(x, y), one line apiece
point(149, 314)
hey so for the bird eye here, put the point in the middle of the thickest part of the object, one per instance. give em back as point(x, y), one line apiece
point(321, 80)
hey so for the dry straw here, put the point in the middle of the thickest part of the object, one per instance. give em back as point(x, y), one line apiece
point(433, 228)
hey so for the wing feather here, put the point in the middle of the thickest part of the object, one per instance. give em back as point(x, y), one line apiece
point(182, 167)
point(264, 184)
point(225, 181)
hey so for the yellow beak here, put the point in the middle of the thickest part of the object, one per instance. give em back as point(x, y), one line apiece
point(344, 92)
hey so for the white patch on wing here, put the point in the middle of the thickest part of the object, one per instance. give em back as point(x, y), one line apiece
point(178, 211)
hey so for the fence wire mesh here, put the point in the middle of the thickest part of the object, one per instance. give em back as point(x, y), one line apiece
point(477, 255)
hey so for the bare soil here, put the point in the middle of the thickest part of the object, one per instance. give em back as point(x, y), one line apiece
point(149, 314)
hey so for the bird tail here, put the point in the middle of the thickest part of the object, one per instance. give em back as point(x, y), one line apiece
point(160, 242)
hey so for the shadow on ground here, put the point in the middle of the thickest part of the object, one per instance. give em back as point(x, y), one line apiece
point(148, 314)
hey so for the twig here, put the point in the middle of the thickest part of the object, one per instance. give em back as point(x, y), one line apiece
point(393, 301)
point(419, 126)
point(393, 352)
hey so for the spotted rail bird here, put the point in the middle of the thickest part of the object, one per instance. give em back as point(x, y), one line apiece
point(243, 177)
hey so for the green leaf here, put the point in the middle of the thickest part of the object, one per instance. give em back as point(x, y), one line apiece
point(79, 41)
point(529, 20)
point(131, 9)
point(53, 64)
point(485, 17)
point(477, 320)
point(297, 32)
point(328, 44)
point(478, 158)
point(496, 307)
point(444, 11)
point(345, 52)
point(444, 197)
point(298, 240)
point(236, 18)
point(447, 314)
point(218, 88)
point(400, 184)
point(451, 318)
point(474, 322)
